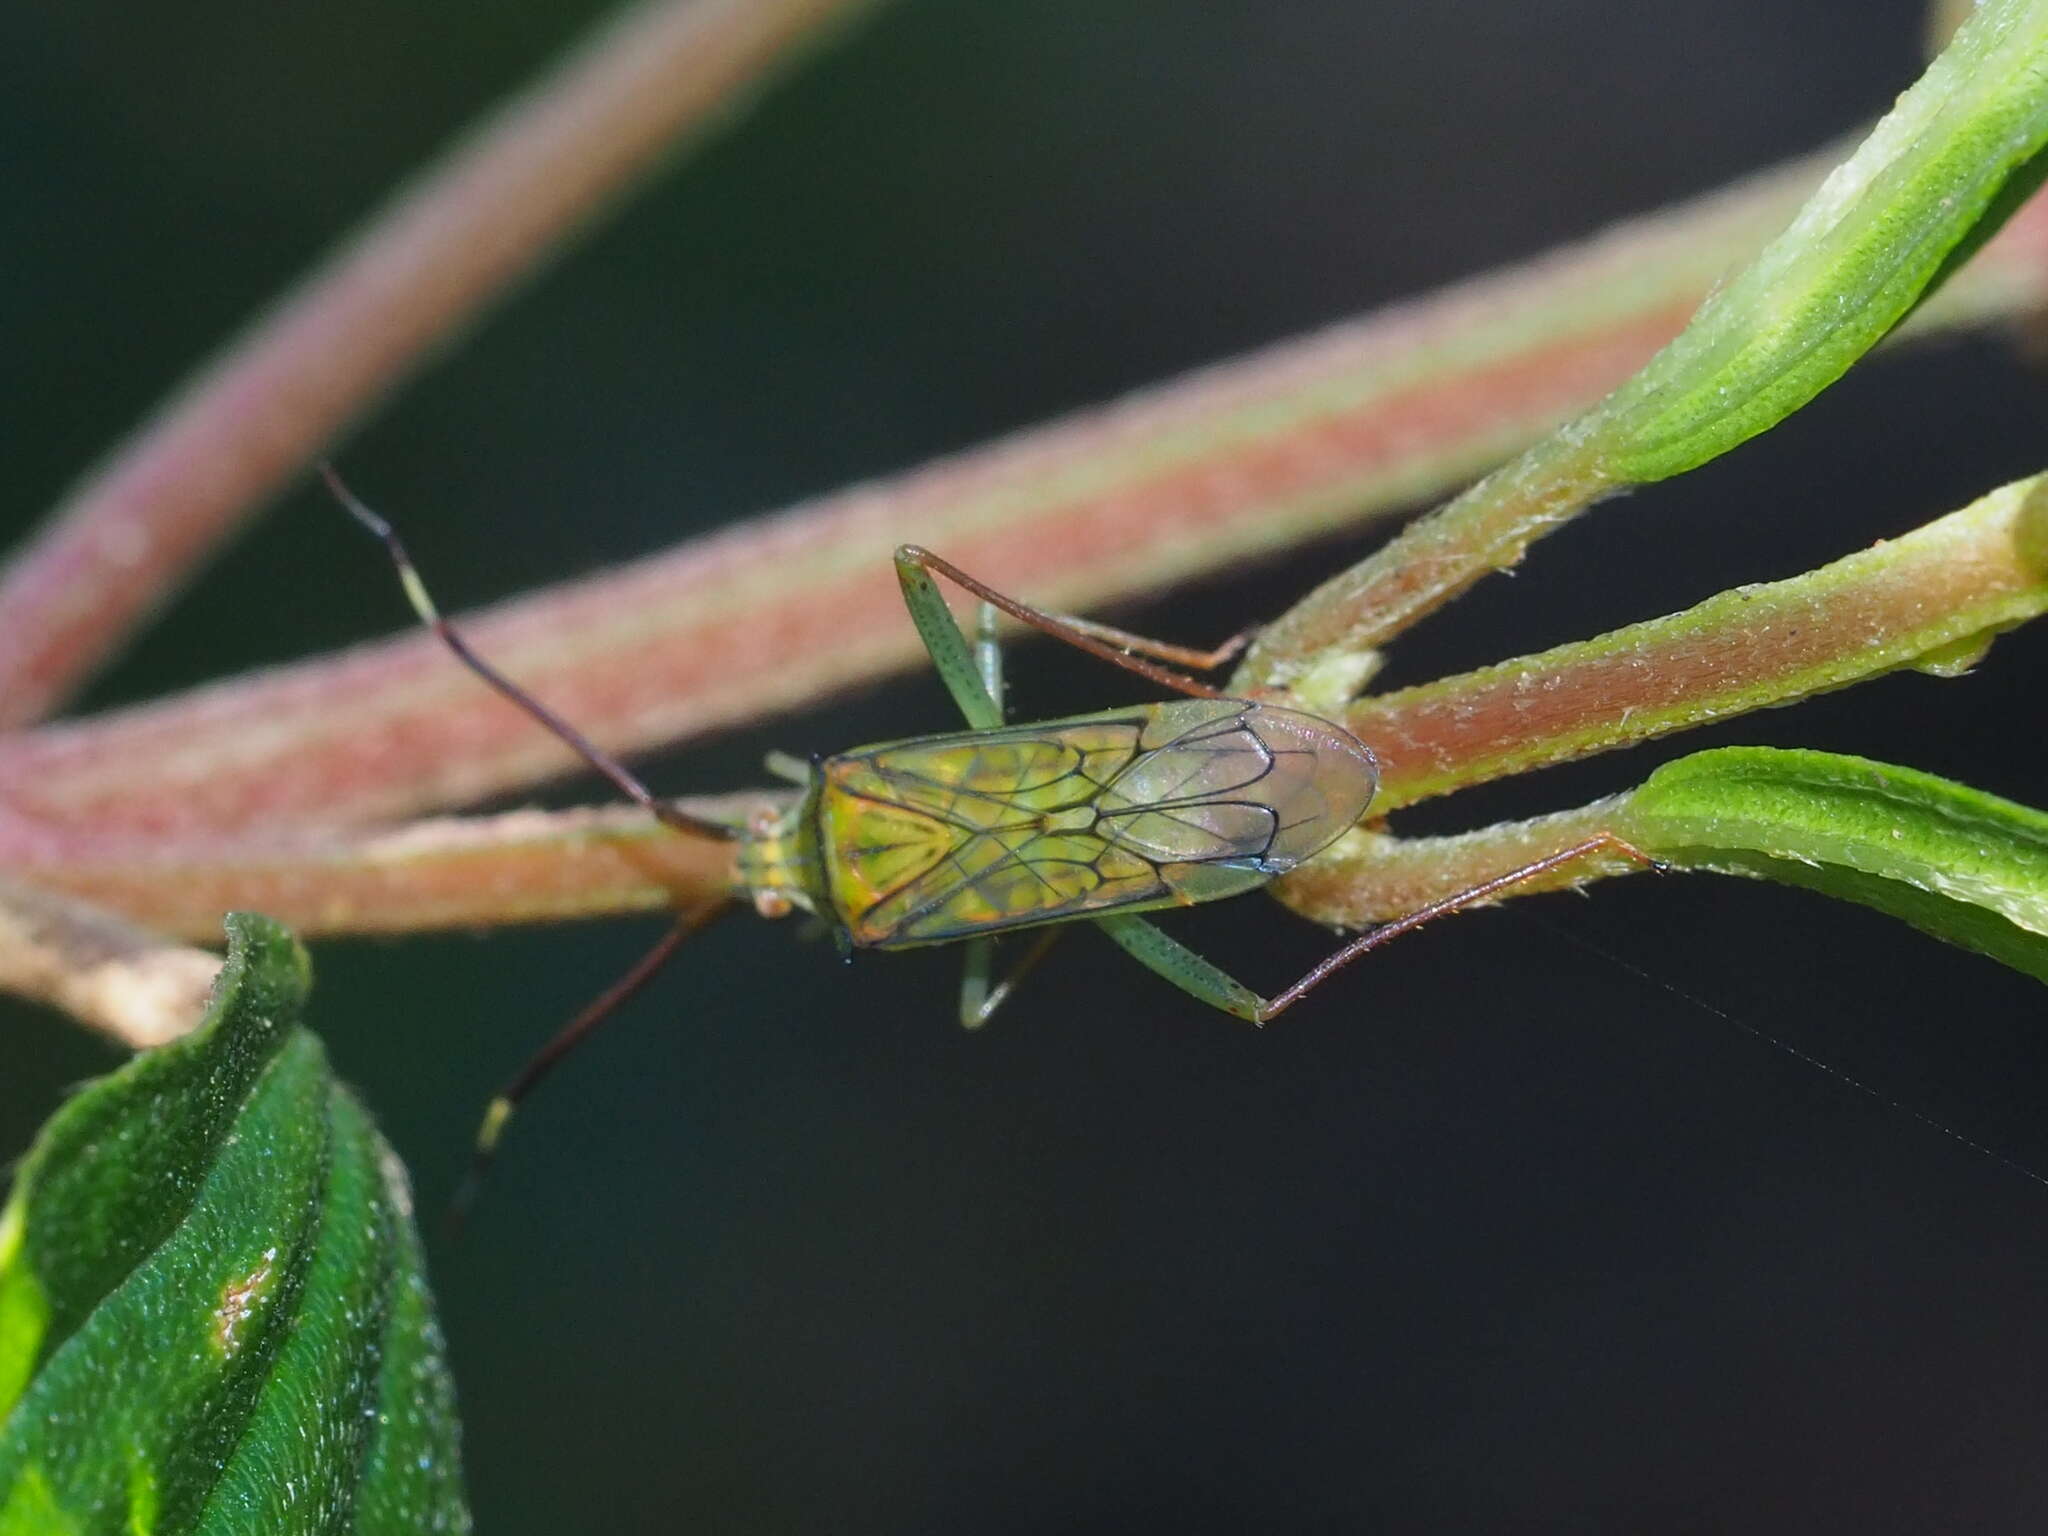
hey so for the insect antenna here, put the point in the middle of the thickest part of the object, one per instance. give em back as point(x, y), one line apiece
point(544, 1061)
point(606, 1003)
point(422, 601)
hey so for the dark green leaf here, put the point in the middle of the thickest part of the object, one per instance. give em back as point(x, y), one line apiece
point(1963, 865)
point(212, 1311)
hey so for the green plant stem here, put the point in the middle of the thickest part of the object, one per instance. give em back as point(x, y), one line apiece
point(1931, 598)
point(1370, 876)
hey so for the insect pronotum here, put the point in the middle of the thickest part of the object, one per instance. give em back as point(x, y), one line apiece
point(961, 837)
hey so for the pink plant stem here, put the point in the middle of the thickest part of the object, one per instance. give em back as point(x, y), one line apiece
point(128, 535)
point(521, 867)
point(102, 970)
point(1186, 478)
point(1929, 598)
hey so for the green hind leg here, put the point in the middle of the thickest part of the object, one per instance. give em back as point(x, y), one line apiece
point(960, 665)
point(1195, 976)
point(1167, 957)
point(973, 674)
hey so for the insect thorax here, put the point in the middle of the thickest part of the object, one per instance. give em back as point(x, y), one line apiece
point(778, 859)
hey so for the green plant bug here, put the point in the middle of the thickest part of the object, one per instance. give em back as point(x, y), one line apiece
point(964, 836)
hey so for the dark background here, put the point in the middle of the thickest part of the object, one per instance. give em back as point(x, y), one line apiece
point(1496, 1234)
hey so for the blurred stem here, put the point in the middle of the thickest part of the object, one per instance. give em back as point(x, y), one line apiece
point(99, 968)
point(1195, 476)
point(128, 535)
point(1943, 17)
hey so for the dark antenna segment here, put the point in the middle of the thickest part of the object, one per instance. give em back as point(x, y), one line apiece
point(622, 778)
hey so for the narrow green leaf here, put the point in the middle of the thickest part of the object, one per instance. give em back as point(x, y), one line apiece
point(212, 1311)
point(1946, 166)
point(1964, 866)
point(1931, 182)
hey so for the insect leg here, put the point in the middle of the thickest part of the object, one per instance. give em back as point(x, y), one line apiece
point(423, 604)
point(1112, 645)
point(1486, 890)
point(952, 657)
point(977, 999)
point(571, 1035)
point(1194, 657)
point(1156, 950)
point(988, 656)
point(1187, 970)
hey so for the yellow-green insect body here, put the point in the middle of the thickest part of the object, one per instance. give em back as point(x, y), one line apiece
point(940, 838)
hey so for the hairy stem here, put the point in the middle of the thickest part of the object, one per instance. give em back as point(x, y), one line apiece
point(1371, 877)
point(1933, 598)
